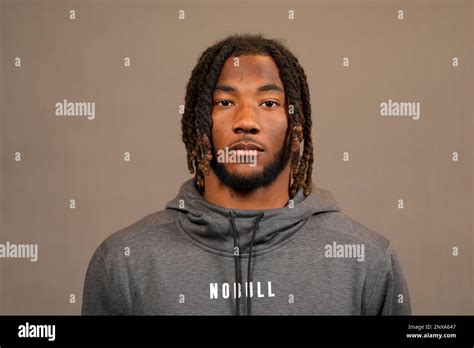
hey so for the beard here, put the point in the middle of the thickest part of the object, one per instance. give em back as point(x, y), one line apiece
point(247, 183)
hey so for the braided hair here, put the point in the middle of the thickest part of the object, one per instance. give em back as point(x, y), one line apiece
point(196, 123)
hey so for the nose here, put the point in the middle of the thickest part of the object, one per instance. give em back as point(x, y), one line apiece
point(246, 120)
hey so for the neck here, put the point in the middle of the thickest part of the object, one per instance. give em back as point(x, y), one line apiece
point(272, 196)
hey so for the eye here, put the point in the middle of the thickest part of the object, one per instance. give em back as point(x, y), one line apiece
point(223, 103)
point(271, 104)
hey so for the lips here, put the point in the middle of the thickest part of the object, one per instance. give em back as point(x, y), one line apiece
point(247, 146)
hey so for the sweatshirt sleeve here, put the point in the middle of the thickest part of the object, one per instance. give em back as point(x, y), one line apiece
point(390, 295)
point(99, 297)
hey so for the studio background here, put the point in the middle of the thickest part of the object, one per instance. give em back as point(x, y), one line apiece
point(137, 111)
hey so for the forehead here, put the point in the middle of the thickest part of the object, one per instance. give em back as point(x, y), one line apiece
point(250, 67)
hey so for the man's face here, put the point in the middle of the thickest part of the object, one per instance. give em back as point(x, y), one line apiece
point(249, 113)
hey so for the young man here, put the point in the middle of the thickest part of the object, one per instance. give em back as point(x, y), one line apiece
point(249, 234)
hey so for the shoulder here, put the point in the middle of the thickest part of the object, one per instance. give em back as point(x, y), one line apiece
point(337, 227)
point(146, 231)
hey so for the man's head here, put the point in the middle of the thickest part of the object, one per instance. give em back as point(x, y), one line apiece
point(247, 92)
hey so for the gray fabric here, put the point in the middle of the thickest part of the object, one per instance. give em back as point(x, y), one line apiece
point(181, 261)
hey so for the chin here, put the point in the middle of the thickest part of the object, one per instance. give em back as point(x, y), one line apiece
point(245, 173)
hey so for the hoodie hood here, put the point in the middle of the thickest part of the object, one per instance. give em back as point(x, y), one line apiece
point(211, 226)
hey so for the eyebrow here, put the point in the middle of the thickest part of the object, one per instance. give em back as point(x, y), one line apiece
point(264, 88)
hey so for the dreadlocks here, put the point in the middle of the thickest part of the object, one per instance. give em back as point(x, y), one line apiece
point(196, 123)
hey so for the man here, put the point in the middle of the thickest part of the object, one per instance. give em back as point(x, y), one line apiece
point(249, 234)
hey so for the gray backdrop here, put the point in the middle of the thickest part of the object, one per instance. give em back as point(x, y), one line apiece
point(137, 111)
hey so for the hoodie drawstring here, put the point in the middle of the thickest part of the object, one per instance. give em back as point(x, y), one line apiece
point(236, 262)
point(238, 277)
point(250, 273)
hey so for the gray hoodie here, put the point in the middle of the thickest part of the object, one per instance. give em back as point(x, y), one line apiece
point(195, 258)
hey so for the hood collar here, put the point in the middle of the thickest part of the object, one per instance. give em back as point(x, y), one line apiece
point(209, 225)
